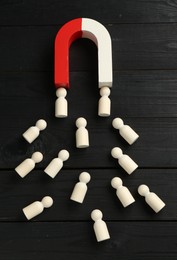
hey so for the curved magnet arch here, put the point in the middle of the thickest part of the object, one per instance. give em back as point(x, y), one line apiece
point(83, 28)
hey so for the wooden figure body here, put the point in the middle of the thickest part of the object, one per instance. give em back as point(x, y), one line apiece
point(122, 192)
point(82, 136)
point(104, 105)
point(33, 132)
point(28, 165)
point(61, 104)
point(80, 189)
point(124, 160)
point(37, 207)
point(151, 198)
point(57, 163)
point(100, 227)
point(125, 131)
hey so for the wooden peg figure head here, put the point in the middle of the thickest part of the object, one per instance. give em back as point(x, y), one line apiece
point(61, 92)
point(81, 122)
point(116, 153)
point(41, 124)
point(37, 157)
point(116, 182)
point(105, 91)
point(117, 123)
point(63, 155)
point(47, 202)
point(84, 177)
point(96, 214)
point(143, 190)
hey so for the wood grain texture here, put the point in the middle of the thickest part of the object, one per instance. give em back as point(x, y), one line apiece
point(135, 47)
point(65, 240)
point(145, 100)
point(144, 94)
point(18, 12)
point(17, 193)
point(147, 94)
point(156, 146)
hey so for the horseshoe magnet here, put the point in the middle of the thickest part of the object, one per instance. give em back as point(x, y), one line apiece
point(95, 31)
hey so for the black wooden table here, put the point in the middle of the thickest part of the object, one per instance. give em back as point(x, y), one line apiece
point(144, 94)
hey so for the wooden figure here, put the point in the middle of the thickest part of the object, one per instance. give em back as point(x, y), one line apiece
point(33, 132)
point(28, 165)
point(61, 104)
point(125, 131)
point(96, 32)
point(37, 207)
point(122, 192)
point(151, 198)
point(57, 163)
point(104, 105)
point(80, 188)
point(100, 227)
point(82, 136)
point(124, 160)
